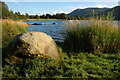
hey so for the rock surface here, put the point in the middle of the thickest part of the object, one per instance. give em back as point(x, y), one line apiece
point(34, 43)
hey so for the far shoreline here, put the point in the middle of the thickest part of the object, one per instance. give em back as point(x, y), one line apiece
point(39, 19)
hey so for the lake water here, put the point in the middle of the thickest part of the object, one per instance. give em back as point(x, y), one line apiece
point(56, 31)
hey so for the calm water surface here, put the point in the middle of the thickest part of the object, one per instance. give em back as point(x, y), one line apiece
point(56, 31)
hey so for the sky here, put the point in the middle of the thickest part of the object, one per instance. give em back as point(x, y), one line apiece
point(40, 7)
point(61, 0)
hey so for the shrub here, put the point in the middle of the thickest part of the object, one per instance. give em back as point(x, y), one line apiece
point(10, 29)
point(96, 36)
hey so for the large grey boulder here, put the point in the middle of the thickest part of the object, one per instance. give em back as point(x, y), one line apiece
point(34, 43)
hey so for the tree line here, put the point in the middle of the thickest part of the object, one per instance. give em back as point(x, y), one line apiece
point(9, 14)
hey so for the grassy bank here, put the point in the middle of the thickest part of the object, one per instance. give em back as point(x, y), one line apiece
point(81, 65)
point(10, 29)
point(95, 37)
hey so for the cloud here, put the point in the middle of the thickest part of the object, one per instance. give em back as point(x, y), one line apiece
point(82, 7)
point(101, 6)
point(60, 11)
point(72, 8)
point(119, 3)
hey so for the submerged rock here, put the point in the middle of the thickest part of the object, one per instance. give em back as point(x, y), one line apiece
point(34, 43)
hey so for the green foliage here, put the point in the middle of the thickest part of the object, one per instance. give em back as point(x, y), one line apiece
point(82, 65)
point(10, 29)
point(96, 36)
point(5, 11)
point(55, 16)
point(27, 15)
point(9, 14)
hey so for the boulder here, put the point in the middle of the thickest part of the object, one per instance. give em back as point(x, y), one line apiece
point(34, 43)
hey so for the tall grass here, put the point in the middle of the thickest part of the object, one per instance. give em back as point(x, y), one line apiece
point(96, 36)
point(0, 33)
point(10, 29)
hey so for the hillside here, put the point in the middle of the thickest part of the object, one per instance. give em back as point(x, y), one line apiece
point(88, 12)
point(116, 12)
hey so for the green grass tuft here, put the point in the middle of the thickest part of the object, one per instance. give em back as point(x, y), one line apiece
point(10, 29)
point(96, 36)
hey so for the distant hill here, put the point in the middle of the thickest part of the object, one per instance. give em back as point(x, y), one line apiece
point(88, 12)
point(116, 12)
